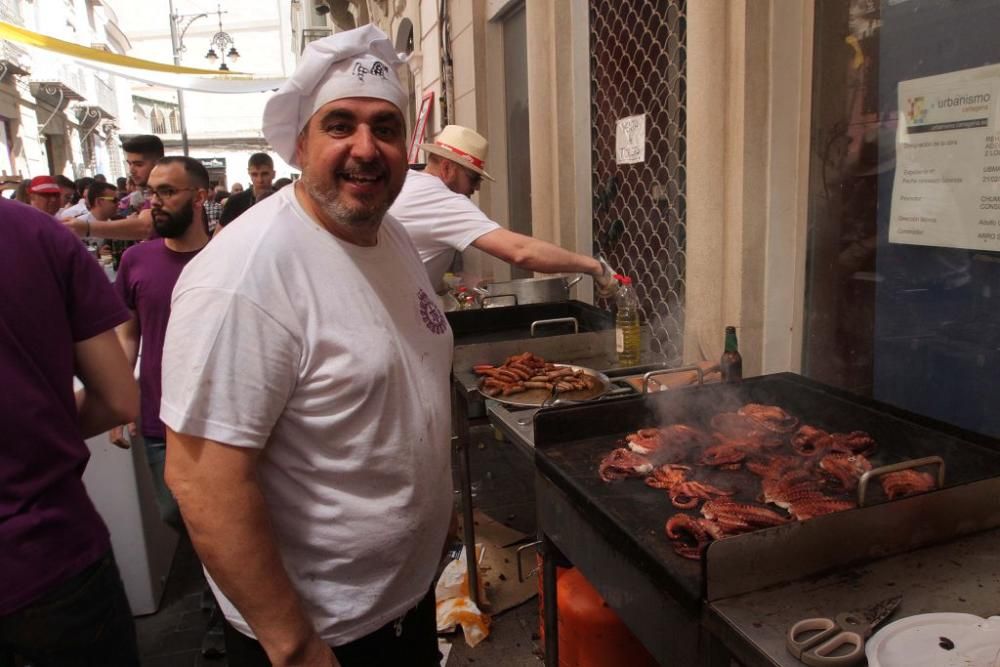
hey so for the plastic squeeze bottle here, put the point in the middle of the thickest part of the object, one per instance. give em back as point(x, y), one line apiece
point(627, 341)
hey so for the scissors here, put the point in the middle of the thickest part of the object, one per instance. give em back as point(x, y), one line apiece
point(839, 641)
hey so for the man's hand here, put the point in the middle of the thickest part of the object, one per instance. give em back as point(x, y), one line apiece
point(607, 286)
point(314, 654)
point(117, 435)
point(76, 226)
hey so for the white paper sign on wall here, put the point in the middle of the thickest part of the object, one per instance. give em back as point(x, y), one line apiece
point(630, 140)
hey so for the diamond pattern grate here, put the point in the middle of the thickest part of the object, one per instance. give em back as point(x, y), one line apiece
point(638, 65)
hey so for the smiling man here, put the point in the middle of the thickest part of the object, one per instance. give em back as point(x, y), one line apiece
point(145, 281)
point(305, 388)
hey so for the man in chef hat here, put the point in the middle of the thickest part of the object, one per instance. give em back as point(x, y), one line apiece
point(305, 388)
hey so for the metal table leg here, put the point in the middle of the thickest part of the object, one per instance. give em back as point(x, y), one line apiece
point(550, 557)
point(460, 427)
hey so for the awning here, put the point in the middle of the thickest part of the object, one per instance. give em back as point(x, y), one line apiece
point(138, 69)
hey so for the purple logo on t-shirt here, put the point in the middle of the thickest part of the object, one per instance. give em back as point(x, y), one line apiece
point(431, 314)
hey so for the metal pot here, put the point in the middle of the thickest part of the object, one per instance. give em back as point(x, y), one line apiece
point(526, 290)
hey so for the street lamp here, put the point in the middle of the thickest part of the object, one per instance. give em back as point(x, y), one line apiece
point(179, 24)
point(222, 39)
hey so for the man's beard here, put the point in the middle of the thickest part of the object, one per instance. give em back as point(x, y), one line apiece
point(175, 223)
point(364, 215)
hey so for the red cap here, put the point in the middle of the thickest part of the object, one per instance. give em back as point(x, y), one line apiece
point(43, 185)
point(624, 280)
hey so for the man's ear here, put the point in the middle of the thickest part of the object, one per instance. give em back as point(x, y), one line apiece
point(300, 144)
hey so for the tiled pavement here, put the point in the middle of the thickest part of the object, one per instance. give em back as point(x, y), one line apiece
point(504, 490)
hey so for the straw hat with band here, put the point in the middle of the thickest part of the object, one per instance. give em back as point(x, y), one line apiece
point(354, 63)
point(463, 146)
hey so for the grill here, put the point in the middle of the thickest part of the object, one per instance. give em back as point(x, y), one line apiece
point(615, 534)
point(569, 332)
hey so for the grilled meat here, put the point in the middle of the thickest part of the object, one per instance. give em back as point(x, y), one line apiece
point(734, 518)
point(734, 426)
point(846, 469)
point(667, 476)
point(906, 483)
point(684, 493)
point(811, 441)
point(622, 463)
point(855, 442)
point(771, 417)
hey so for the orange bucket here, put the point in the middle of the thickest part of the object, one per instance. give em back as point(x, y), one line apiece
point(590, 632)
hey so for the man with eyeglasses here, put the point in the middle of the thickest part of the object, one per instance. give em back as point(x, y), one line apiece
point(102, 206)
point(435, 209)
point(145, 281)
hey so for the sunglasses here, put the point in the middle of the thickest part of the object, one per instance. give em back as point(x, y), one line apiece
point(114, 199)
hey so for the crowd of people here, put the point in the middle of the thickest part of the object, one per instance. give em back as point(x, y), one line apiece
point(293, 393)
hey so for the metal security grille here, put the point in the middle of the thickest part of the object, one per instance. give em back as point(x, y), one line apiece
point(638, 65)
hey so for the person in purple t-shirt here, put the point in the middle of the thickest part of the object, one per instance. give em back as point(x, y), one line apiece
point(145, 281)
point(62, 601)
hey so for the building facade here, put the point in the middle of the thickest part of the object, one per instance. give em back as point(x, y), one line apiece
point(223, 129)
point(56, 116)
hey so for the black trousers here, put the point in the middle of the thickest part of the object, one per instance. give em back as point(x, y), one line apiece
point(83, 622)
point(416, 645)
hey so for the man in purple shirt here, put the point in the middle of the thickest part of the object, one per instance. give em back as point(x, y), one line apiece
point(145, 281)
point(62, 601)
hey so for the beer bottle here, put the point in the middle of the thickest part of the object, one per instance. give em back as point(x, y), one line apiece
point(731, 364)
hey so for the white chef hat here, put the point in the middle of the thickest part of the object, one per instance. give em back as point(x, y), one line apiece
point(354, 63)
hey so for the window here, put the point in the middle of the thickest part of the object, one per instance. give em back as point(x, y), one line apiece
point(157, 123)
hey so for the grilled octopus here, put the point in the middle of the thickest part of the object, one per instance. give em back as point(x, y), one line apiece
point(846, 469)
point(771, 417)
point(906, 483)
point(690, 535)
point(684, 493)
point(622, 463)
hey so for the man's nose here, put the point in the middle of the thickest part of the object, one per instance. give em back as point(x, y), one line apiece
point(364, 145)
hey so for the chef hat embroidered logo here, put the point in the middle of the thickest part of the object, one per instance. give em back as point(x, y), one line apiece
point(377, 68)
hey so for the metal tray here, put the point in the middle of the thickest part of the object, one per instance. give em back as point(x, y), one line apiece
point(534, 398)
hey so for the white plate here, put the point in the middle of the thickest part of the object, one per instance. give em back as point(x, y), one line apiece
point(916, 641)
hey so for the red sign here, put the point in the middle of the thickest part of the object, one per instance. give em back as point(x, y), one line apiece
point(420, 126)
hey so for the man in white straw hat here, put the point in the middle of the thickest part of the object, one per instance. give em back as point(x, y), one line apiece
point(305, 388)
point(435, 209)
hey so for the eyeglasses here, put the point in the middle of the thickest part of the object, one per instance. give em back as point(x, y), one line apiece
point(166, 192)
point(474, 178)
point(114, 199)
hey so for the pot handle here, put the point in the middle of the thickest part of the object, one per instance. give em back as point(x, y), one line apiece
point(896, 467)
point(498, 296)
point(557, 320)
point(572, 281)
point(667, 371)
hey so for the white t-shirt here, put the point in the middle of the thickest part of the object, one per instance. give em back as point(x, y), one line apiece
point(334, 360)
point(73, 211)
point(439, 221)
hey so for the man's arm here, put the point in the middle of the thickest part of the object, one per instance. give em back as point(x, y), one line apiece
point(534, 254)
point(128, 337)
point(109, 395)
point(136, 227)
point(216, 487)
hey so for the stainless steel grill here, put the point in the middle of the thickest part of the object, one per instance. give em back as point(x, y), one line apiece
point(638, 64)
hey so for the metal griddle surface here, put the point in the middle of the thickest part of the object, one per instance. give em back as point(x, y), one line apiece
point(571, 441)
